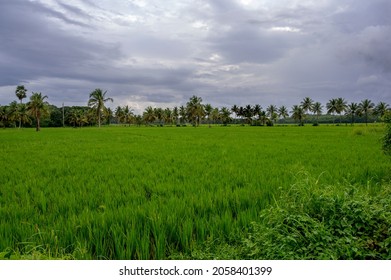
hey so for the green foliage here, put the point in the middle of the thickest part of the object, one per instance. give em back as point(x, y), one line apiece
point(342, 222)
point(386, 140)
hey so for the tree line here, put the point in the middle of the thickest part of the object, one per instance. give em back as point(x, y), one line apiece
point(38, 112)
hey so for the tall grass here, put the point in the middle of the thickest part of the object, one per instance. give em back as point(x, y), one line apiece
point(152, 193)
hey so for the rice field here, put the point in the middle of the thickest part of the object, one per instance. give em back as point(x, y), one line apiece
point(153, 192)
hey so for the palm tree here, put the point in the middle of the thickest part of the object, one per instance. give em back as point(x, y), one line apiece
point(13, 112)
point(108, 114)
point(307, 104)
point(298, 114)
point(235, 110)
point(159, 115)
point(215, 116)
point(127, 114)
point(317, 110)
point(195, 110)
point(175, 115)
point(272, 113)
point(21, 93)
point(366, 107)
point(225, 114)
point(341, 106)
point(149, 115)
point(97, 102)
point(283, 112)
point(119, 114)
point(332, 107)
point(208, 112)
point(23, 114)
point(182, 114)
point(381, 109)
point(167, 116)
point(38, 107)
point(352, 111)
point(248, 113)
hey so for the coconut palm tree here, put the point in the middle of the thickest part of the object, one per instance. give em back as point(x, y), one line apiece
point(317, 110)
point(248, 113)
point(307, 104)
point(38, 108)
point(235, 110)
point(366, 107)
point(182, 114)
point(208, 112)
point(225, 115)
point(149, 115)
point(167, 116)
point(298, 114)
point(332, 107)
point(272, 113)
point(352, 110)
point(97, 102)
point(341, 106)
point(381, 109)
point(127, 114)
point(23, 115)
point(175, 115)
point(159, 115)
point(119, 114)
point(21, 93)
point(195, 110)
point(283, 112)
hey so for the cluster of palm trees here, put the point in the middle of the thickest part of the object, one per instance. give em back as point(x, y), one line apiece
point(193, 112)
point(20, 113)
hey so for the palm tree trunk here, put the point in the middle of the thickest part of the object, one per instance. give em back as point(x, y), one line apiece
point(38, 122)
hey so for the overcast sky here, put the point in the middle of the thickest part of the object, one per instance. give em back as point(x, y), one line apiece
point(228, 52)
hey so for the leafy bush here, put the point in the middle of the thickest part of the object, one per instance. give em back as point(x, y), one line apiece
point(314, 222)
point(387, 137)
point(324, 224)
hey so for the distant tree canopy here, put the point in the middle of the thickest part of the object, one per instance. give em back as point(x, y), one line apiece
point(39, 113)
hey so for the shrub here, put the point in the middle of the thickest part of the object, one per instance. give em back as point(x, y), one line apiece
point(387, 137)
point(324, 225)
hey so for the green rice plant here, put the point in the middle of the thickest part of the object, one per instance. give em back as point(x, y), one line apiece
point(152, 193)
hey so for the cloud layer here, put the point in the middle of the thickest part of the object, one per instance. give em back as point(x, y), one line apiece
point(226, 51)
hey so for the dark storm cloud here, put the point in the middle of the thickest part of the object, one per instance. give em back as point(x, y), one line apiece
point(34, 47)
point(226, 51)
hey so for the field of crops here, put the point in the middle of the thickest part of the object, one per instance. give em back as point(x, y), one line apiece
point(153, 192)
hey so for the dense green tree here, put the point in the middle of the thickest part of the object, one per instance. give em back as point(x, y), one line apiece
point(38, 108)
point(97, 102)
